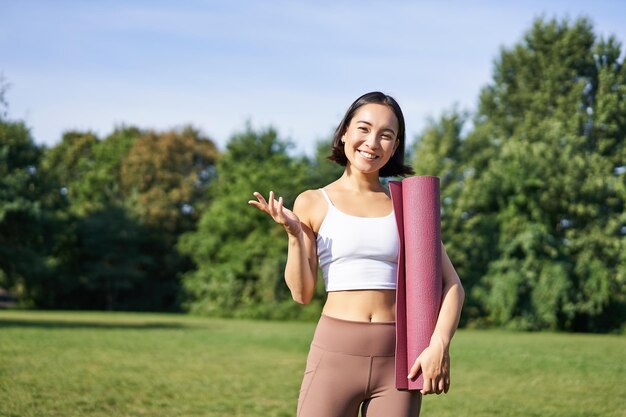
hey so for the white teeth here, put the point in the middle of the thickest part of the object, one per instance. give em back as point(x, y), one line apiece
point(367, 155)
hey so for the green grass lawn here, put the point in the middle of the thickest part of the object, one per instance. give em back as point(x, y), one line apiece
point(114, 364)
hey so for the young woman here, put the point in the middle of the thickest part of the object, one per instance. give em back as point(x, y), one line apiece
point(349, 228)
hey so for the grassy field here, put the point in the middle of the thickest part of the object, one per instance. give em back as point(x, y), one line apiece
point(101, 364)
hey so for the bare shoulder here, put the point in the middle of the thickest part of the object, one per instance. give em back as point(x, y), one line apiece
point(309, 201)
point(310, 206)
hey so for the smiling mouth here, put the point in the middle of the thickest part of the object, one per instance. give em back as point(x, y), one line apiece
point(367, 155)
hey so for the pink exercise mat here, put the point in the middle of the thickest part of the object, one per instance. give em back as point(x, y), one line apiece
point(419, 282)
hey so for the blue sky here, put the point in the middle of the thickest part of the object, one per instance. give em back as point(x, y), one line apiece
point(295, 65)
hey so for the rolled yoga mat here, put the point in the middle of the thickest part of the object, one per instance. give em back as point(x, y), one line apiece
point(419, 281)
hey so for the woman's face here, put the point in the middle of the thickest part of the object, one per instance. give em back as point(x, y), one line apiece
point(371, 137)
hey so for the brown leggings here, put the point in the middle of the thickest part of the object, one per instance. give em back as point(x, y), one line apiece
point(350, 365)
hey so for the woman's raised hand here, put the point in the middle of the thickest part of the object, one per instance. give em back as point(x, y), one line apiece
point(280, 214)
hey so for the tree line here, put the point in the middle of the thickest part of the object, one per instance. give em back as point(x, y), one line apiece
point(533, 184)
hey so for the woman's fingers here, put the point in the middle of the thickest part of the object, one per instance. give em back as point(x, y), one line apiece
point(259, 203)
point(432, 386)
point(270, 206)
point(279, 208)
point(271, 203)
point(434, 382)
point(262, 203)
point(260, 197)
point(276, 208)
point(440, 386)
point(414, 369)
point(428, 387)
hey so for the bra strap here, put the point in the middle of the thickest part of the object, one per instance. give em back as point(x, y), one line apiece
point(330, 203)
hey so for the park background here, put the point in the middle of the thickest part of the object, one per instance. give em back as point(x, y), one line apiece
point(133, 135)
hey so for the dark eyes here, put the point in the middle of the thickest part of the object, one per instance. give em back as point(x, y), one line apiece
point(385, 136)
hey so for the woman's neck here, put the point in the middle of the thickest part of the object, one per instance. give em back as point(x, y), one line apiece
point(359, 181)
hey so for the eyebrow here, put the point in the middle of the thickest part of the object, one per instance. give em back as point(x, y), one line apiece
point(369, 124)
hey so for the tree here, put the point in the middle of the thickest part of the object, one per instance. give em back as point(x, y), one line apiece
point(443, 150)
point(165, 176)
point(99, 186)
point(547, 184)
point(127, 198)
point(66, 164)
point(111, 260)
point(164, 182)
point(21, 243)
point(322, 171)
point(239, 253)
point(84, 172)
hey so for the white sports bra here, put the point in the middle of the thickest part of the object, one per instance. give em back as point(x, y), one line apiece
point(357, 253)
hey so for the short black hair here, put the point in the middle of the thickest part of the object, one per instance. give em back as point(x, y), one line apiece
point(395, 166)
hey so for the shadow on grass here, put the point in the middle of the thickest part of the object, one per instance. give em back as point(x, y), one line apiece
point(63, 324)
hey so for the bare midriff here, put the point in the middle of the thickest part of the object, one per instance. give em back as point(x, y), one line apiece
point(362, 305)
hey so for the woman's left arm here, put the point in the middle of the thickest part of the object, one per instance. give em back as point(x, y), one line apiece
point(434, 361)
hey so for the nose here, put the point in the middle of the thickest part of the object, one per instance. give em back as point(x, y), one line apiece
point(372, 140)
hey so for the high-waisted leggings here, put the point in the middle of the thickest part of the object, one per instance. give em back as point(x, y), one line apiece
point(351, 365)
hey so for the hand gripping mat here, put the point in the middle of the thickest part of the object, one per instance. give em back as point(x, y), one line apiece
point(419, 282)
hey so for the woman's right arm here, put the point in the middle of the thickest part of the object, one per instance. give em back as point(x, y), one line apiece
point(301, 268)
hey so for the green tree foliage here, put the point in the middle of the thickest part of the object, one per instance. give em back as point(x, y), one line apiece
point(111, 259)
point(66, 165)
point(29, 227)
point(84, 171)
point(442, 150)
point(87, 169)
point(540, 212)
point(321, 170)
point(100, 185)
point(164, 181)
point(21, 240)
point(127, 197)
point(165, 175)
point(239, 252)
